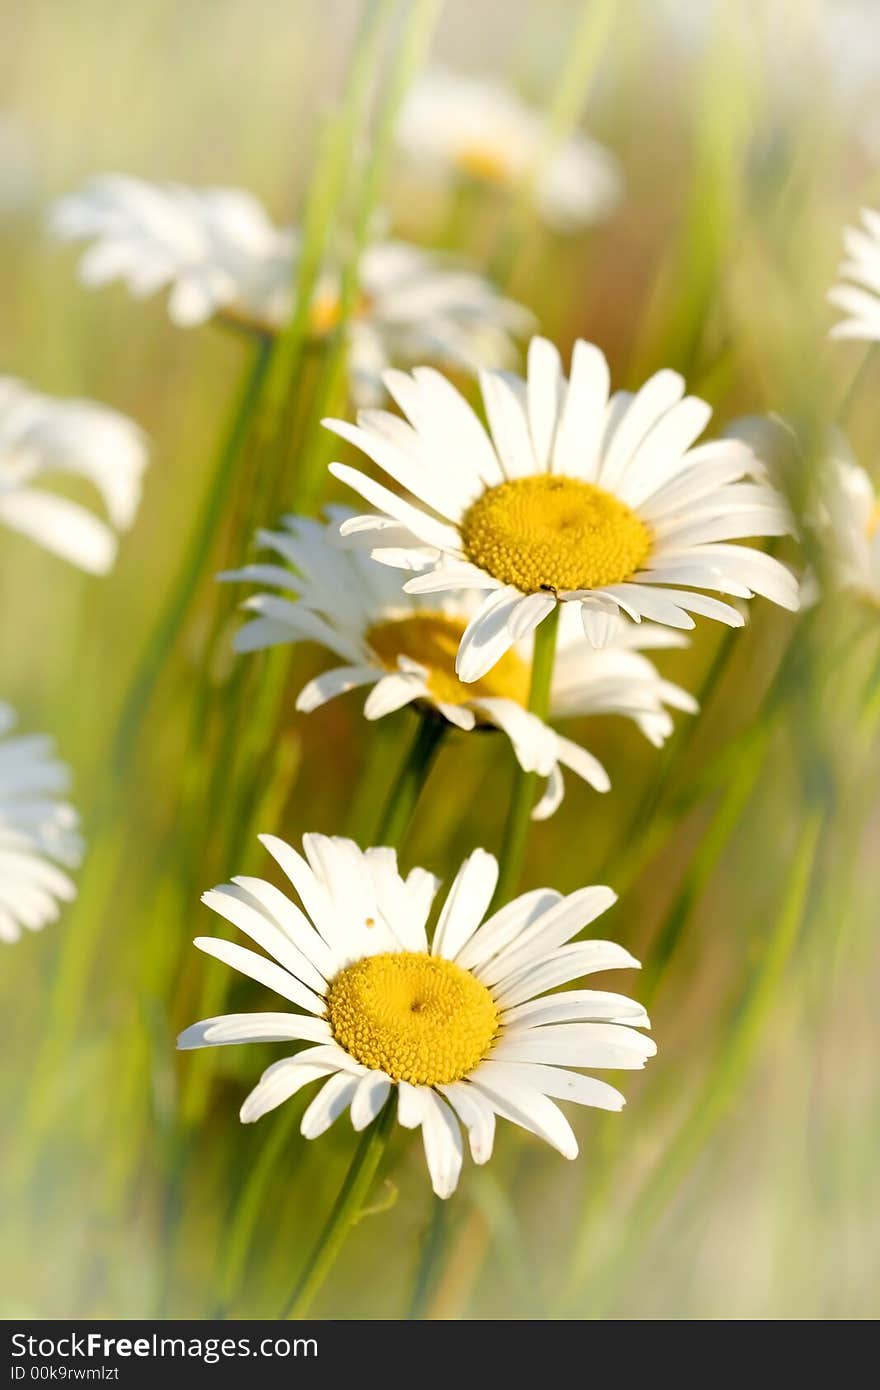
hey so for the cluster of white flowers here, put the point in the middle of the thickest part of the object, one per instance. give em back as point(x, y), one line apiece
point(566, 501)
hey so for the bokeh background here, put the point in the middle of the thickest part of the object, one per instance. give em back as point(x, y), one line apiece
point(740, 1181)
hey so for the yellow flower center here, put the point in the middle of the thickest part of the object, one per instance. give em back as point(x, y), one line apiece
point(485, 161)
point(873, 522)
point(432, 639)
point(419, 1018)
point(552, 533)
point(326, 310)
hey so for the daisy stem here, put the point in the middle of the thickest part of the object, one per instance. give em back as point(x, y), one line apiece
point(584, 49)
point(196, 559)
point(523, 795)
point(410, 780)
point(419, 22)
point(346, 1210)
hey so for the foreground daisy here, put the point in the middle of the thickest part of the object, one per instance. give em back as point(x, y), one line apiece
point(858, 293)
point(220, 255)
point(571, 498)
point(403, 646)
point(41, 437)
point(458, 126)
point(35, 830)
point(463, 1026)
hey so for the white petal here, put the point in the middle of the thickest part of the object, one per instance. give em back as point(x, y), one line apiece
point(508, 423)
point(61, 526)
point(528, 613)
point(369, 1097)
point(235, 904)
point(576, 452)
point(521, 1103)
point(558, 925)
point(466, 904)
point(577, 1005)
point(487, 636)
point(568, 963)
point(426, 528)
point(333, 1098)
point(392, 692)
point(552, 797)
point(278, 1083)
point(332, 683)
point(601, 620)
point(505, 926)
point(566, 1085)
point(545, 387)
point(265, 972)
point(477, 1116)
point(242, 1028)
point(442, 1140)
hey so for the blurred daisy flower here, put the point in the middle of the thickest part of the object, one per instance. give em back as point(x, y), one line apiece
point(220, 255)
point(571, 497)
point(849, 522)
point(455, 126)
point(858, 293)
point(463, 1026)
point(35, 830)
point(403, 646)
point(41, 437)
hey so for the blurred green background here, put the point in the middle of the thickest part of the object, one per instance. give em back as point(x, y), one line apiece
point(749, 135)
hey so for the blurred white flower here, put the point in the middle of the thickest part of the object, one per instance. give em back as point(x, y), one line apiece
point(221, 256)
point(858, 294)
point(849, 522)
point(574, 496)
point(215, 248)
point(460, 1024)
point(403, 646)
point(454, 125)
point(35, 829)
point(41, 437)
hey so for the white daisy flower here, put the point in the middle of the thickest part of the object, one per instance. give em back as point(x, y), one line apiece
point(858, 293)
point(35, 830)
point(403, 647)
point(221, 256)
point(41, 437)
point(454, 125)
point(571, 497)
point(464, 1027)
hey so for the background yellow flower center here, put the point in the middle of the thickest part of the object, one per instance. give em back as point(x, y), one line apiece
point(432, 640)
point(546, 532)
point(485, 161)
point(873, 522)
point(417, 1017)
point(326, 310)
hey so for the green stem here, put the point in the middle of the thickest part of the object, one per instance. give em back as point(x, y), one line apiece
point(583, 50)
point(332, 167)
point(419, 24)
point(410, 780)
point(196, 559)
point(523, 795)
point(346, 1210)
point(432, 1252)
